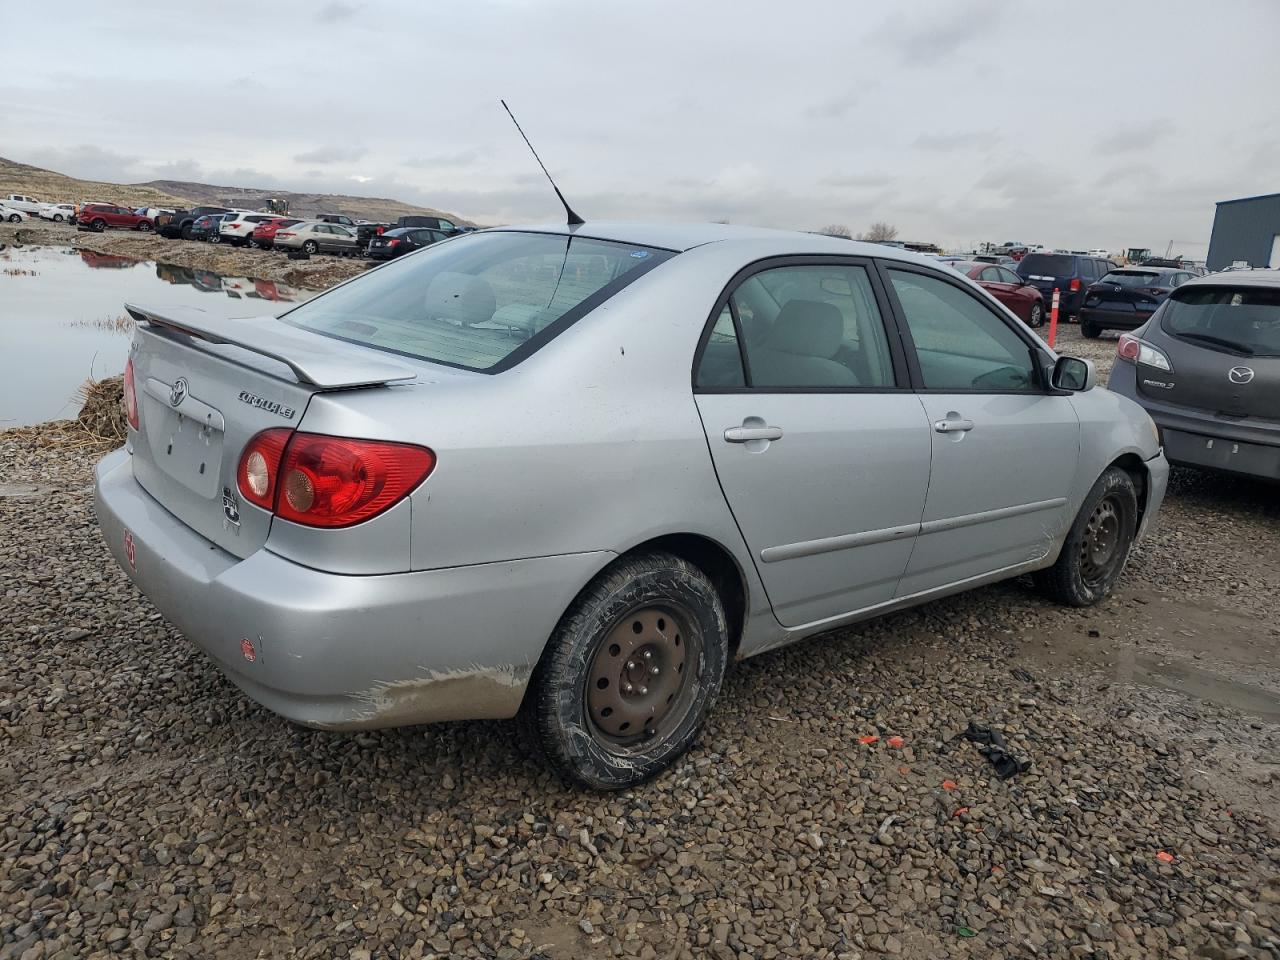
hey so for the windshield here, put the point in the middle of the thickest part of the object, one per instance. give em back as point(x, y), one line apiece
point(1047, 265)
point(480, 301)
point(1126, 278)
point(1239, 319)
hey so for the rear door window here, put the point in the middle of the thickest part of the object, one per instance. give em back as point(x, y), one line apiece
point(480, 302)
point(961, 344)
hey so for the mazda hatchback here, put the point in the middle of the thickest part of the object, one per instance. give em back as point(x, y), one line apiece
point(571, 474)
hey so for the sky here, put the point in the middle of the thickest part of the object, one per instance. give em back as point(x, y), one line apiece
point(1081, 125)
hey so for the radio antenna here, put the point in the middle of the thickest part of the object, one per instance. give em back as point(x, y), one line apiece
point(573, 218)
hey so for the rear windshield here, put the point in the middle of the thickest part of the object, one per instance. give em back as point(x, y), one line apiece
point(1127, 278)
point(1047, 265)
point(1242, 320)
point(477, 300)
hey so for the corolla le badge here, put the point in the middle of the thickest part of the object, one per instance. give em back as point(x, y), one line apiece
point(1240, 374)
point(178, 392)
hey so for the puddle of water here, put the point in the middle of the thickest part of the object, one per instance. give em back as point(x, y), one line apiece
point(1181, 677)
point(60, 318)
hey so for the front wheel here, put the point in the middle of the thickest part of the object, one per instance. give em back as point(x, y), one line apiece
point(1097, 548)
point(629, 674)
point(57, 218)
point(98, 226)
point(144, 226)
point(14, 218)
point(311, 246)
point(215, 237)
point(1090, 331)
point(1037, 315)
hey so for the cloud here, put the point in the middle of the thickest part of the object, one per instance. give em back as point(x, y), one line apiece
point(833, 108)
point(336, 11)
point(455, 158)
point(858, 180)
point(920, 38)
point(332, 154)
point(1136, 136)
point(944, 142)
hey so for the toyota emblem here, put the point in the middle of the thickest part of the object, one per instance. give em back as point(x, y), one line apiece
point(1240, 374)
point(178, 392)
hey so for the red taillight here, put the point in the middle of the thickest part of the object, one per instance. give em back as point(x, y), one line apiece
point(260, 466)
point(321, 481)
point(393, 242)
point(337, 482)
point(130, 395)
point(1075, 284)
point(283, 233)
point(1129, 347)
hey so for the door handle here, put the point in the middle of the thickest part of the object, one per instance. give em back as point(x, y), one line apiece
point(953, 425)
point(747, 434)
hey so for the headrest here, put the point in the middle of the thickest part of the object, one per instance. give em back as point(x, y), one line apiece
point(460, 296)
point(810, 328)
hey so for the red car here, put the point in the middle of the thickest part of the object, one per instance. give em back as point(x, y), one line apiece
point(264, 234)
point(1007, 287)
point(98, 216)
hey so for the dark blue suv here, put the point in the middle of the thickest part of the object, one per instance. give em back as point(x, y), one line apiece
point(1069, 273)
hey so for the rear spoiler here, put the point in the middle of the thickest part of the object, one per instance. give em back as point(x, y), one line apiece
point(314, 359)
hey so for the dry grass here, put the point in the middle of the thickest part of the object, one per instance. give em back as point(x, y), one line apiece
point(121, 324)
point(18, 272)
point(99, 425)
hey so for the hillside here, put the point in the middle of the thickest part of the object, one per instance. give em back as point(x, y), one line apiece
point(50, 186)
point(58, 188)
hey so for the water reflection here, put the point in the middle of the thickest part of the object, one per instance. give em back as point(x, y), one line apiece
point(62, 318)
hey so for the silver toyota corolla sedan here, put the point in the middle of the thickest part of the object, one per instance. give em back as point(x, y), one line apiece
point(571, 473)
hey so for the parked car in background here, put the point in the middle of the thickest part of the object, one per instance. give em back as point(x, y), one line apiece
point(357, 555)
point(1206, 367)
point(1099, 252)
point(1017, 294)
point(28, 205)
point(1066, 272)
point(341, 219)
point(994, 258)
point(403, 240)
point(58, 212)
point(1126, 297)
point(99, 216)
point(433, 223)
point(203, 227)
point(263, 235)
point(238, 228)
point(12, 214)
point(315, 237)
point(178, 224)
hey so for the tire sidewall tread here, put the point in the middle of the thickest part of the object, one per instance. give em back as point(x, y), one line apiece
point(1063, 581)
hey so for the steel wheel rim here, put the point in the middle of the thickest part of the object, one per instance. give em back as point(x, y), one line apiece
point(1101, 547)
point(643, 677)
point(1037, 315)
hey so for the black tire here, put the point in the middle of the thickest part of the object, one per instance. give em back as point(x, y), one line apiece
point(311, 246)
point(1096, 550)
point(1036, 318)
point(560, 717)
point(14, 218)
point(215, 237)
point(1089, 330)
point(57, 218)
point(97, 226)
point(144, 226)
point(185, 231)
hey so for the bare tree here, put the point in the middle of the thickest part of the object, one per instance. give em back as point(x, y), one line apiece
point(836, 230)
point(880, 232)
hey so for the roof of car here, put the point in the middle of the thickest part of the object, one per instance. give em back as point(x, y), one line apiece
point(1234, 278)
point(1142, 268)
point(686, 236)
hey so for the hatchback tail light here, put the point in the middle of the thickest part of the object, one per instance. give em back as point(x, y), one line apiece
point(394, 242)
point(323, 481)
point(130, 395)
point(1075, 284)
point(1133, 349)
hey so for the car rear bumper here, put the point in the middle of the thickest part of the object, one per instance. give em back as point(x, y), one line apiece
point(1114, 319)
point(339, 651)
point(380, 253)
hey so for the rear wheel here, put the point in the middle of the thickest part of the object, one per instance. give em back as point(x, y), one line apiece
point(629, 674)
point(97, 226)
point(144, 226)
point(1036, 318)
point(311, 246)
point(1090, 330)
point(14, 218)
point(1097, 548)
point(186, 231)
point(57, 218)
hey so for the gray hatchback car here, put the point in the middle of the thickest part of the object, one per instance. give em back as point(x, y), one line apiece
point(570, 474)
point(1206, 366)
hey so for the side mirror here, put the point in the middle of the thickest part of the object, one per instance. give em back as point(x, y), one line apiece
point(1073, 375)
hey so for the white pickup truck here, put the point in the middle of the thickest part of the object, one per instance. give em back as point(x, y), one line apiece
point(28, 205)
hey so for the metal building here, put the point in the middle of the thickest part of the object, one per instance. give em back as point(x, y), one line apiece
point(1246, 230)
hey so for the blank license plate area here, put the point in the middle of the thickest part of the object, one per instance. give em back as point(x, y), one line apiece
point(185, 449)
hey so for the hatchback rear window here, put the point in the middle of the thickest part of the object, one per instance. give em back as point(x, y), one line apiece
point(1047, 265)
point(1241, 320)
point(481, 302)
point(1126, 278)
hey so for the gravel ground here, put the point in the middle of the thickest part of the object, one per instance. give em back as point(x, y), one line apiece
point(318, 273)
point(148, 809)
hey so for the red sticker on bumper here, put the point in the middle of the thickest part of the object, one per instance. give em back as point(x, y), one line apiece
point(246, 649)
point(130, 552)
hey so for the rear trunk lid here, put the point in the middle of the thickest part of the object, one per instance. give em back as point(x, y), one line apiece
point(1127, 292)
point(206, 385)
point(1223, 343)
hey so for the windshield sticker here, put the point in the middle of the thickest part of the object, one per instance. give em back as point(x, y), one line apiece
point(639, 254)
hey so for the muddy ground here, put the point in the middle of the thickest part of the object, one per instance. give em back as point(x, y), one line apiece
point(147, 808)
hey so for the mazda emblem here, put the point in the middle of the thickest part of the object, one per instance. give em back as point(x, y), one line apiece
point(178, 392)
point(1240, 374)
